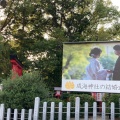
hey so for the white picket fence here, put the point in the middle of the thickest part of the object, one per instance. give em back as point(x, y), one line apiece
point(40, 112)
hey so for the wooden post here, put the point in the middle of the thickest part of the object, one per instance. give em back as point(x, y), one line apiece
point(15, 114)
point(119, 108)
point(60, 111)
point(22, 114)
point(112, 111)
point(8, 114)
point(44, 111)
point(77, 108)
point(68, 110)
point(2, 110)
point(52, 111)
point(103, 110)
point(86, 111)
point(30, 114)
point(36, 108)
point(94, 111)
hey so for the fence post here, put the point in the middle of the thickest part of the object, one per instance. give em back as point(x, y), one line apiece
point(77, 108)
point(60, 111)
point(112, 111)
point(44, 111)
point(8, 114)
point(94, 111)
point(2, 110)
point(119, 107)
point(15, 114)
point(36, 108)
point(52, 111)
point(86, 111)
point(22, 114)
point(30, 114)
point(103, 110)
point(68, 110)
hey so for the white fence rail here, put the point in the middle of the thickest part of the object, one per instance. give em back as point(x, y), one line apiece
point(59, 112)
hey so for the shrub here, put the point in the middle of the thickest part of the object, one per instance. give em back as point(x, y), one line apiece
point(21, 92)
point(65, 97)
point(49, 100)
point(83, 98)
point(108, 98)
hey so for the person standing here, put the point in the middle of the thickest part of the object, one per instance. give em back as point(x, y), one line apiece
point(116, 71)
point(95, 71)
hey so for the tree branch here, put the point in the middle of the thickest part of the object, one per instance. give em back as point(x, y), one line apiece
point(8, 19)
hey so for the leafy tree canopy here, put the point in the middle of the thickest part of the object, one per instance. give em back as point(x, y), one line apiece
point(27, 21)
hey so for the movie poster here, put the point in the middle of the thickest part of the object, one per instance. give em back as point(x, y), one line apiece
point(91, 67)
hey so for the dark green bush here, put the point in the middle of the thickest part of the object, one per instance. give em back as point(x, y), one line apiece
point(83, 98)
point(49, 100)
point(108, 98)
point(65, 97)
point(21, 92)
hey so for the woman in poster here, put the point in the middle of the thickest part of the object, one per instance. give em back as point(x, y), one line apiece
point(95, 71)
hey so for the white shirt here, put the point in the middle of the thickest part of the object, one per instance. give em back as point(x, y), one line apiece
point(95, 71)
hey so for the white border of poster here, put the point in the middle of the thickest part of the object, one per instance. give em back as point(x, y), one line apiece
point(76, 59)
point(91, 86)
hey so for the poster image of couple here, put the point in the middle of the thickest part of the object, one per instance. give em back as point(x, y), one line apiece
point(91, 61)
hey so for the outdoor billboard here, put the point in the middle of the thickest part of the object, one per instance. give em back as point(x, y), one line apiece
point(91, 67)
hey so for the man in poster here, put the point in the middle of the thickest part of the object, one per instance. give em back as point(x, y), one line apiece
point(116, 72)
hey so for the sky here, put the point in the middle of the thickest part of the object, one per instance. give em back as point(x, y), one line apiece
point(116, 3)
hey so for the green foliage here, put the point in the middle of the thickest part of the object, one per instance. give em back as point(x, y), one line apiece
point(108, 61)
point(1, 37)
point(5, 65)
point(115, 31)
point(83, 98)
point(103, 13)
point(21, 92)
point(108, 98)
point(26, 23)
point(65, 97)
point(50, 65)
point(49, 100)
point(75, 60)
